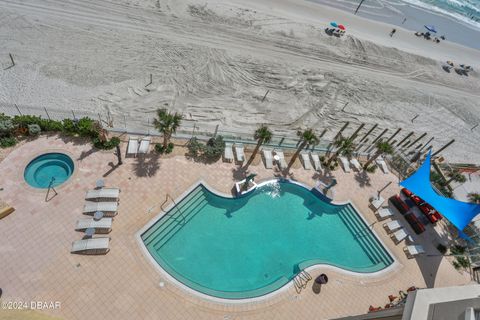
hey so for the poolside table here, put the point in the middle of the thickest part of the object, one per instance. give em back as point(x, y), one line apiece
point(89, 232)
point(98, 215)
point(100, 183)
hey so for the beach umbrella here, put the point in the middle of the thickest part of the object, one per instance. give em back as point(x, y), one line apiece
point(430, 28)
point(341, 27)
point(333, 24)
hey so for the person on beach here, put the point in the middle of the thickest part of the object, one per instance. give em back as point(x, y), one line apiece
point(393, 32)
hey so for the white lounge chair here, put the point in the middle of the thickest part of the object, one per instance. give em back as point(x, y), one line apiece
point(316, 162)
point(380, 162)
point(103, 225)
point(384, 213)
point(104, 193)
point(345, 164)
point(306, 161)
point(267, 154)
point(108, 208)
point(392, 226)
point(132, 148)
point(399, 235)
point(228, 155)
point(281, 159)
point(356, 164)
point(91, 246)
point(144, 145)
point(239, 150)
point(413, 250)
point(377, 202)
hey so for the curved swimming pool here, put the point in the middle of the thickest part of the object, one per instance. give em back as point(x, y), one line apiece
point(238, 248)
point(54, 168)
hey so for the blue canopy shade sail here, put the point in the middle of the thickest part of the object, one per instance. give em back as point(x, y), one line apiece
point(430, 28)
point(457, 212)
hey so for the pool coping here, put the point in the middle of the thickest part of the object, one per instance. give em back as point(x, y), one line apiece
point(23, 165)
point(290, 284)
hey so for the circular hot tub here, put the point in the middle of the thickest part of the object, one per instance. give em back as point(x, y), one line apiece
point(50, 169)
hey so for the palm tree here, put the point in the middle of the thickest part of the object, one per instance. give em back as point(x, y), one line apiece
point(455, 175)
point(167, 123)
point(383, 147)
point(474, 197)
point(344, 146)
point(262, 135)
point(307, 138)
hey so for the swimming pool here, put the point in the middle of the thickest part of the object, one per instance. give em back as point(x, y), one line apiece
point(238, 248)
point(49, 169)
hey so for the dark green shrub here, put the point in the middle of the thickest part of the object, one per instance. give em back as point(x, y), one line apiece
point(4, 117)
point(7, 142)
point(106, 145)
point(457, 250)
point(34, 129)
point(69, 127)
point(463, 262)
point(442, 248)
point(86, 127)
point(24, 121)
point(371, 169)
point(214, 148)
point(51, 125)
point(160, 149)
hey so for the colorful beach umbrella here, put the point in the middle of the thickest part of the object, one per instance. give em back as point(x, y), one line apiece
point(341, 27)
point(430, 28)
point(333, 24)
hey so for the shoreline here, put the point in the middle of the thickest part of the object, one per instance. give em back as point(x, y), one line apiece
point(455, 30)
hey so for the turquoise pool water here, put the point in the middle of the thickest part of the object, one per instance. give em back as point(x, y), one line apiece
point(40, 171)
point(249, 246)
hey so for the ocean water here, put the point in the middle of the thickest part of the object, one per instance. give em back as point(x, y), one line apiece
point(467, 11)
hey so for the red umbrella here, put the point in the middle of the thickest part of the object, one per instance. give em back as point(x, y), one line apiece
point(341, 27)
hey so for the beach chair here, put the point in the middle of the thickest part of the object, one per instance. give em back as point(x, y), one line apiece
point(267, 154)
point(384, 213)
point(228, 155)
point(377, 202)
point(103, 225)
point(239, 150)
point(392, 226)
point(399, 235)
point(356, 164)
point(281, 159)
point(108, 208)
point(144, 145)
point(382, 164)
point(345, 164)
point(316, 162)
point(413, 250)
point(91, 246)
point(132, 148)
point(306, 161)
point(104, 193)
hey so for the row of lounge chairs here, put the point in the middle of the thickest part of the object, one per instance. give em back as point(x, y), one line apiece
point(102, 200)
point(138, 145)
point(239, 152)
point(395, 227)
point(356, 164)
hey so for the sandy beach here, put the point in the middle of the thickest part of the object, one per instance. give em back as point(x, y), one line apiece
point(214, 62)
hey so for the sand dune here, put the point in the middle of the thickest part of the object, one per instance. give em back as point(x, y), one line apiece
point(214, 62)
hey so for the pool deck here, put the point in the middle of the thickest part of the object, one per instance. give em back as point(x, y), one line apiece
point(36, 264)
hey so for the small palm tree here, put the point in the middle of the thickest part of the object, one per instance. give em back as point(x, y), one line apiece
point(383, 147)
point(474, 197)
point(455, 175)
point(167, 123)
point(262, 135)
point(345, 147)
point(307, 138)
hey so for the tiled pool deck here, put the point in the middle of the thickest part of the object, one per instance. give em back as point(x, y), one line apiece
point(36, 263)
